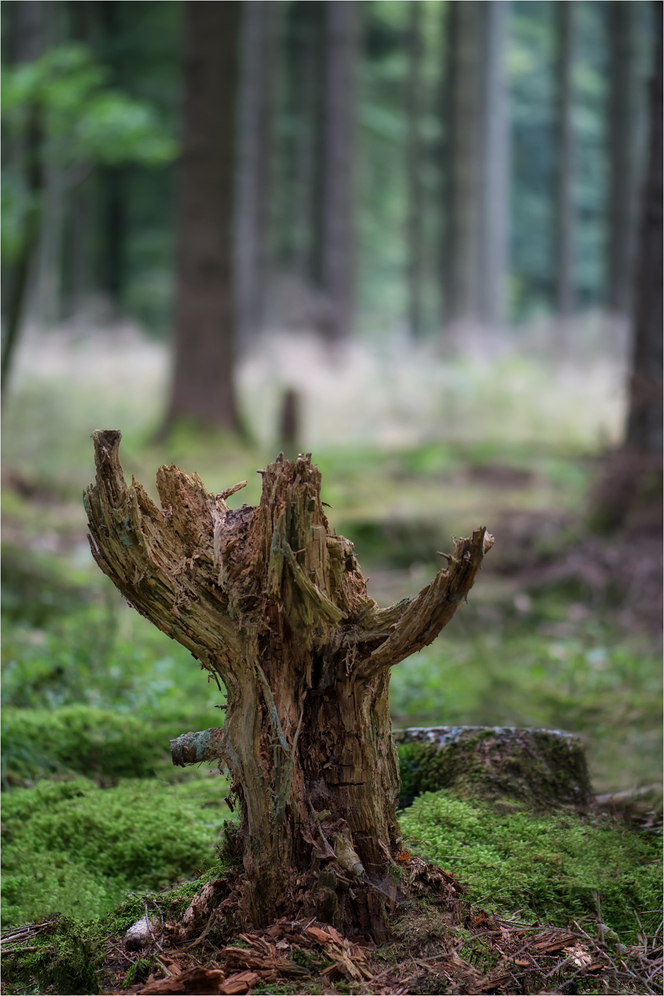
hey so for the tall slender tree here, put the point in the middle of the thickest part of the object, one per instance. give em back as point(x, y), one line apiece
point(622, 118)
point(414, 155)
point(630, 492)
point(475, 163)
point(205, 324)
point(254, 157)
point(494, 190)
point(337, 255)
point(644, 424)
point(25, 45)
point(563, 224)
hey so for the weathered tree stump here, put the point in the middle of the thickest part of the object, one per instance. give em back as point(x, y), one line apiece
point(540, 769)
point(275, 605)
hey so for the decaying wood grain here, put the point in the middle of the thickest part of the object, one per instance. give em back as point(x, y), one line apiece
point(275, 605)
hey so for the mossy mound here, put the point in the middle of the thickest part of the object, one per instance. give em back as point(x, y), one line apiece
point(97, 743)
point(541, 769)
point(557, 869)
point(71, 847)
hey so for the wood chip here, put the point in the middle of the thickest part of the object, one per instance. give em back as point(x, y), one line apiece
point(195, 980)
point(319, 935)
point(239, 983)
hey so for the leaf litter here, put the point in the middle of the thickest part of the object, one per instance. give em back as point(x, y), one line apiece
point(440, 944)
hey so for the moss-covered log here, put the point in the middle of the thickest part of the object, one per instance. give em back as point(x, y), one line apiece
point(275, 604)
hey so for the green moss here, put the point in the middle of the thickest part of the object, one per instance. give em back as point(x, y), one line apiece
point(554, 868)
point(87, 740)
point(138, 972)
point(63, 960)
point(90, 741)
point(538, 768)
point(71, 846)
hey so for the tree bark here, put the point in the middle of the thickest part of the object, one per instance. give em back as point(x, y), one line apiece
point(26, 42)
point(644, 424)
point(274, 604)
point(476, 165)
point(252, 228)
point(622, 119)
point(337, 242)
point(414, 156)
point(494, 192)
point(203, 384)
point(563, 196)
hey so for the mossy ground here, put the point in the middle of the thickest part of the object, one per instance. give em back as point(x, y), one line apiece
point(93, 692)
point(72, 847)
point(556, 869)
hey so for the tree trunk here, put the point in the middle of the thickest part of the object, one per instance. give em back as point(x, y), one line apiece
point(336, 206)
point(307, 93)
point(26, 42)
point(644, 425)
point(254, 167)
point(494, 190)
point(563, 197)
point(276, 606)
point(203, 384)
point(460, 258)
point(629, 494)
point(414, 156)
point(622, 118)
point(476, 165)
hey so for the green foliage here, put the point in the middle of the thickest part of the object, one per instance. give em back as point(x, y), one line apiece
point(555, 869)
point(73, 847)
point(82, 121)
point(68, 642)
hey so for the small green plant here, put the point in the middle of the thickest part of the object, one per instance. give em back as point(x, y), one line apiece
point(138, 972)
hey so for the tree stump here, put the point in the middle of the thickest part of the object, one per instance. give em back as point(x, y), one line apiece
point(539, 769)
point(275, 606)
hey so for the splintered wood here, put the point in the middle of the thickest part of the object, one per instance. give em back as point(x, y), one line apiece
point(265, 959)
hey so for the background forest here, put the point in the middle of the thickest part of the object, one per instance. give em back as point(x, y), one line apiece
point(402, 234)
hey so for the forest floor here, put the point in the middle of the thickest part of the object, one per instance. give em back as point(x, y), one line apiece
point(562, 630)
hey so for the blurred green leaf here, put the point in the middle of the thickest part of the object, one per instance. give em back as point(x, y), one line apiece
point(83, 119)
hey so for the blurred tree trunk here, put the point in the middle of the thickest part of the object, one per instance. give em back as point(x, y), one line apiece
point(563, 221)
point(25, 45)
point(476, 164)
point(308, 63)
point(461, 161)
point(337, 256)
point(622, 116)
point(255, 149)
point(203, 384)
point(629, 495)
point(113, 180)
point(494, 192)
point(414, 156)
point(644, 424)
point(47, 295)
point(78, 241)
